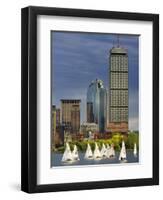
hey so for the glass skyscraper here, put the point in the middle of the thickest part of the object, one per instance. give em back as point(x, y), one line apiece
point(96, 104)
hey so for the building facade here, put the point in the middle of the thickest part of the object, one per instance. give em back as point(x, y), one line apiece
point(58, 117)
point(97, 104)
point(75, 118)
point(118, 90)
point(90, 115)
point(70, 115)
point(53, 124)
point(56, 128)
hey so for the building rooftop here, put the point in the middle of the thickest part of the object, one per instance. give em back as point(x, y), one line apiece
point(70, 100)
point(99, 82)
point(118, 50)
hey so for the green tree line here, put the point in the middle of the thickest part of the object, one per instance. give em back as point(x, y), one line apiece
point(116, 140)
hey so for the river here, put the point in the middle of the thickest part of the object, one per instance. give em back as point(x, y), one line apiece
point(57, 157)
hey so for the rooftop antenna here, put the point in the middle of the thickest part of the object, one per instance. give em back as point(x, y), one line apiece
point(118, 40)
point(113, 43)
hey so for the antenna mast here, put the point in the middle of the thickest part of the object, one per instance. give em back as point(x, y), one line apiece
point(118, 40)
point(113, 43)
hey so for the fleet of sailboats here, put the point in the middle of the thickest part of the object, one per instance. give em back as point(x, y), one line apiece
point(107, 151)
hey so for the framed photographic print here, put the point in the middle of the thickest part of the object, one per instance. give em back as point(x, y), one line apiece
point(90, 99)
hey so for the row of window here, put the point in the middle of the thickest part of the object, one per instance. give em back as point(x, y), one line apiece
point(119, 58)
point(118, 98)
point(118, 101)
point(119, 84)
point(118, 114)
point(119, 80)
point(119, 67)
point(119, 92)
point(119, 63)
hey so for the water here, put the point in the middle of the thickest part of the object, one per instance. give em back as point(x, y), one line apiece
point(57, 157)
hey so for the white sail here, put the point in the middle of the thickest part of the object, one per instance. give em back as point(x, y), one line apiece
point(135, 149)
point(75, 153)
point(107, 147)
point(97, 154)
point(67, 156)
point(122, 155)
point(103, 151)
point(88, 153)
point(110, 151)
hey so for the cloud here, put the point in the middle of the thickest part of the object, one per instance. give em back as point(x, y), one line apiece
point(134, 123)
point(79, 58)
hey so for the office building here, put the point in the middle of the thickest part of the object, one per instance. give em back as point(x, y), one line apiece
point(118, 90)
point(56, 128)
point(75, 119)
point(53, 124)
point(58, 117)
point(70, 115)
point(97, 104)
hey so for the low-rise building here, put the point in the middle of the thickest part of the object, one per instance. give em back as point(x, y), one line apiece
point(89, 130)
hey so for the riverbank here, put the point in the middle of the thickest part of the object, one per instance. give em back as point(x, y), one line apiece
point(115, 140)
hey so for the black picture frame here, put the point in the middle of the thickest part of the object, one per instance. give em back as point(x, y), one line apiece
point(29, 99)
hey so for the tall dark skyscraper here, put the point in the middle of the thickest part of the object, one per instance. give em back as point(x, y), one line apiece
point(118, 90)
point(96, 104)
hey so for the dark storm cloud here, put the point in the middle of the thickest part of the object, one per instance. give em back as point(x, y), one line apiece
point(79, 58)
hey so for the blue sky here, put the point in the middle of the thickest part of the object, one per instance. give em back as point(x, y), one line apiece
point(79, 58)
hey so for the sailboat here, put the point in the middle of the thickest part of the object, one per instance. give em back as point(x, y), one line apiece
point(103, 151)
point(122, 155)
point(67, 156)
point(97, 154)
point(135, 150)
point(107, 146)
point(88, 153)
point(75, 153)
point(110, 151)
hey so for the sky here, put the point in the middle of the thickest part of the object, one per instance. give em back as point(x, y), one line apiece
point(78, 58)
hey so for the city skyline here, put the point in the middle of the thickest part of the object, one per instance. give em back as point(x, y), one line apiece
point(79, 58)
